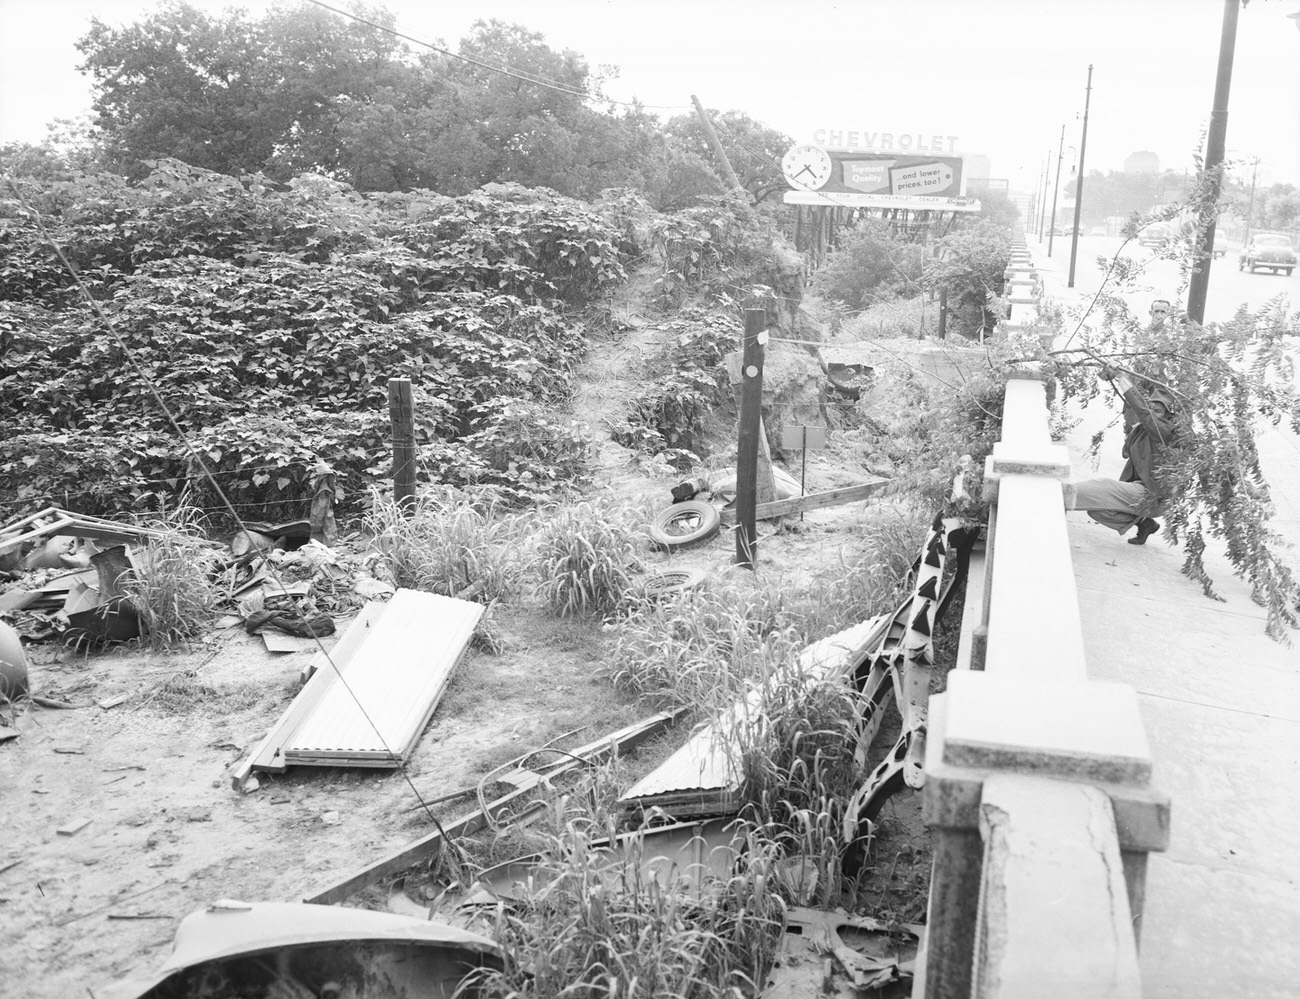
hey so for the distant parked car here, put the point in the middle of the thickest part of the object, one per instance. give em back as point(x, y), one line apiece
point(1271, 250)
point(1098, 230)
point(1155, 235)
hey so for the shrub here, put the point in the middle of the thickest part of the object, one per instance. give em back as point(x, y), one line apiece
point(586, 559)
point(871, 265)
point(686, 383)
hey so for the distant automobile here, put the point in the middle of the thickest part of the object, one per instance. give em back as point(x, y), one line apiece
point(1098, 230)
point(1154, 235)
point(1273, 251)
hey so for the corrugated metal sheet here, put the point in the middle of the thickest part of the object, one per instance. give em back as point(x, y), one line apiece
point(370, 709)
point(706, 764)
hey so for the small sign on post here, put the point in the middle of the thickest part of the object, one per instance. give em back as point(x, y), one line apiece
point(805, 439)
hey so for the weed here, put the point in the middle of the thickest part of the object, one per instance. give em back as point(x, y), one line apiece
point(447, 544)
point(586, 558)
point(171, 588)
point(183, 693)
point(591, 921)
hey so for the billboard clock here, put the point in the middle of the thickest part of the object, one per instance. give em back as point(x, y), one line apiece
point(807, 167)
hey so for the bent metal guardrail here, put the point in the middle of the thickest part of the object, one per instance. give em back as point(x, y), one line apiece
point(1038, 780)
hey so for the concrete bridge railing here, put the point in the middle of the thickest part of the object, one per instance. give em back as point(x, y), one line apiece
point(1038, 780)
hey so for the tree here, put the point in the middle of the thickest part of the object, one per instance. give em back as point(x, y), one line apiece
point(1227, 380)
point(873, 264)
point(235, 95)
point(306, 90)
point(754, 149)
point(969, 269)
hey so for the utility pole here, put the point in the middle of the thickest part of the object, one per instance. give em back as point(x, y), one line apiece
point(1038, 203)
point(1078, 188)
point(1250, 205)
point(1047, 176)
point(1214, 147)
point(1056, 189)
point(718, 151)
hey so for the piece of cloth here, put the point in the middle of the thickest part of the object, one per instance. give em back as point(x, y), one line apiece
point(1118, 505)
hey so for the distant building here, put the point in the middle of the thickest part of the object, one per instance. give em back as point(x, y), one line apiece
point(1143, 161)
point(976, 165)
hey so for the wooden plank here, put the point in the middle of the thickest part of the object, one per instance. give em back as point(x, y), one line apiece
point(625, 738)
point(814, 501)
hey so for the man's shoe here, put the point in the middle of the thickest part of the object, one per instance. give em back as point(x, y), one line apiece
point(1146, 527)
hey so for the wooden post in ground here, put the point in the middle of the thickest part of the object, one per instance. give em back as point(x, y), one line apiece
point(751, 428)
point(401, 414)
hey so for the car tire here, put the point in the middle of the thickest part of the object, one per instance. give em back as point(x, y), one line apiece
point(1241, 265)
point(669, 582)
point(1286, 271)
point(685, 524)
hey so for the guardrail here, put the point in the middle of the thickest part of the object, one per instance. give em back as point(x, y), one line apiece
point(1038, 780)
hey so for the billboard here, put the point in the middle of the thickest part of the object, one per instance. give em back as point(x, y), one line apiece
point(854, 178)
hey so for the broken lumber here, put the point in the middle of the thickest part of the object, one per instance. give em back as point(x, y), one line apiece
point(407, 856)
point(813, 501)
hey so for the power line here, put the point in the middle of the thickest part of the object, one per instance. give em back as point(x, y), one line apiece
point(526, 77)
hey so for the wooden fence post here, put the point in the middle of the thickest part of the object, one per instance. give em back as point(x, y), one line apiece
point(751, 410)
point(401, 414)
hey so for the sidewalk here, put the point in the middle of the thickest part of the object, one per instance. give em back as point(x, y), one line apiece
point(1221, 704)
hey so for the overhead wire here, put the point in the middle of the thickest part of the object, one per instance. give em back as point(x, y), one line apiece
point(522, 75)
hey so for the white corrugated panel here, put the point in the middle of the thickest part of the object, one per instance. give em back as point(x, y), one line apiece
point(380, 698)
point(706, 762)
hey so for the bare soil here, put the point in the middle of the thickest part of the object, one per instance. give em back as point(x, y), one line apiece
point(117, 822)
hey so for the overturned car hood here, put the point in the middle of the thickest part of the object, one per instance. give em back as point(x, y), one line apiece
point(229, 929)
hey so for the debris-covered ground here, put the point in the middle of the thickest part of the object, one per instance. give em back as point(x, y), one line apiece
point(118, 810)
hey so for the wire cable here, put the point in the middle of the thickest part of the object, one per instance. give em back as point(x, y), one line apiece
point(526, 77)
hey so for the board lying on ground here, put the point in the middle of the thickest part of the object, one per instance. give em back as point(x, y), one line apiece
point(624, 740)
point(813, 501)
point(703, 777)
point(372, 696)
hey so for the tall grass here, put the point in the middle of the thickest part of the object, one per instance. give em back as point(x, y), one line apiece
point(586, 558)
point(451, 543)
point(171, 589)
point(699, 646)
point(593, 922)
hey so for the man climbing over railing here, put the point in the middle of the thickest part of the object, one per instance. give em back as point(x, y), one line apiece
point(1138, 495)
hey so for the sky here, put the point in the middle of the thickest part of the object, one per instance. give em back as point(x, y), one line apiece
point(1003, 76)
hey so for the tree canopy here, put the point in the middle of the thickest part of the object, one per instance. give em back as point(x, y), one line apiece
point(305, 90)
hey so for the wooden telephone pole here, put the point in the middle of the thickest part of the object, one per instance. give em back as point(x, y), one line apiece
point(718, 151)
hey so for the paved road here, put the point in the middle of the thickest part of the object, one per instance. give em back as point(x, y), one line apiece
point(1221, 703)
